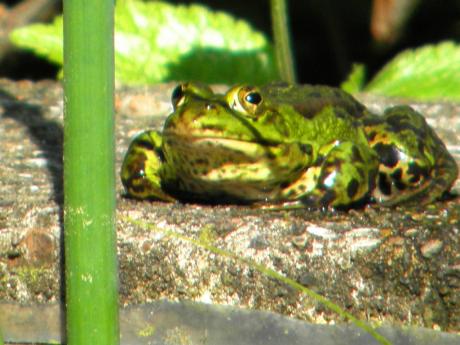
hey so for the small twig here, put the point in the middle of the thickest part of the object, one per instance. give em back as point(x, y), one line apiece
point(25, 12)
point(389, 18)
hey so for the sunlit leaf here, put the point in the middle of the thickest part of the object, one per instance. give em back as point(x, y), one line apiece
point(156, 41)
point(431, 72)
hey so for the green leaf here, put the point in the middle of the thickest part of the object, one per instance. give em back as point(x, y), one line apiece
point(431, 72)
point(43, 39)
point(355, 81)
point(156, 42)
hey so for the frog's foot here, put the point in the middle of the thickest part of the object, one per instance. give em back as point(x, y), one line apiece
point(415, 166)
point(140, 172)
point(342, 179)
point(434, 186)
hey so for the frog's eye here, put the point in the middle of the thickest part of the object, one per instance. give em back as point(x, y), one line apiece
point(250, 100)
point(245, 100)
point(253, 97)
point(177, 96)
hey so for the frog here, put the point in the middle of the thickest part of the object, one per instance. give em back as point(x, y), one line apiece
point(311, 146)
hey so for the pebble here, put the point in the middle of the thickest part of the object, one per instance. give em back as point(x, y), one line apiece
point(325, 233)
point(431, 248)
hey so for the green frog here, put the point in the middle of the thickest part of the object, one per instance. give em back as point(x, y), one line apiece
point(304, 145)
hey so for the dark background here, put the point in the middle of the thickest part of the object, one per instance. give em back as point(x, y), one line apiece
point(328, 36)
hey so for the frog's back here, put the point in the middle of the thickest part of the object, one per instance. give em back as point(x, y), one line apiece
point(309, 100)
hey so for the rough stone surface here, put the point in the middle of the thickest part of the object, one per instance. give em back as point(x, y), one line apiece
point(400, 266)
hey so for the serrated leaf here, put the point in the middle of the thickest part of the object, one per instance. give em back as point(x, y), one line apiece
point(156, 41)
point(431, 72)
point(43, 39)
point(355, 81)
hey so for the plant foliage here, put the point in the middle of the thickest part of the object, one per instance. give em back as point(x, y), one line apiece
point(431, 72)
point(157, 41)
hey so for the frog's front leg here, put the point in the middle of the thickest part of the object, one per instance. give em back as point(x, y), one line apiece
point(142, 167)
point(343, 175)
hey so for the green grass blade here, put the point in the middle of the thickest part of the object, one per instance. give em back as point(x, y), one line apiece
point(283, 50)
point(89, 185)
point(203, 242)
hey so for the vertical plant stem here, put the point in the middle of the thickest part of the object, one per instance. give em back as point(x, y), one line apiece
point(89, 175)
point(283, 50)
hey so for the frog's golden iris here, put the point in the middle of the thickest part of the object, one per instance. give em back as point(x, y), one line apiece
point(312, 145)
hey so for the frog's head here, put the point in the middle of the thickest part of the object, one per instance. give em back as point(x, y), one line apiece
point(244, 113)
point(235, 137)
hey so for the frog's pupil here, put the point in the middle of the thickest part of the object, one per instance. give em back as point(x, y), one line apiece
point(177, 94)
point(253, 98)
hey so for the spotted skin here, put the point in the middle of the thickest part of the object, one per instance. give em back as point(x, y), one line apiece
point(404, 176)
point(312, 146)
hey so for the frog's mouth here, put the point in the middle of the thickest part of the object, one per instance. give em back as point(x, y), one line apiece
point(213, 139)
point(246, 132)
point(202, 144)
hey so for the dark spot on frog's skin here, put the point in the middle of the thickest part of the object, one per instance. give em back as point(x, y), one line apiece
point(301, 188)
point(417, 172)
point(357, 124)
point(145, 144)
point(388, 154)
point(319, 160)
point(397, 179)
point(372, 179)
point(136, 188)
point(372, 135)
point(201, 161)
point(341, 113)
point(298, 167)
point(284, 184)
point(328, 198)
point(396, 120)
point(356, 155)
point(352, 188)
point(359, 111)
point(316, 94)
point(421, 147)
point(290, 193)
point(306, 148)
point(336, 164)
point(396, 175)
point(400, 122)
point(196, 115)
point(372, 121)
point(384, 184)
point(337, 93)
point(211, 127)
point(137, 166)
point(210, 106)
point(309, 201)
point(270, 155)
